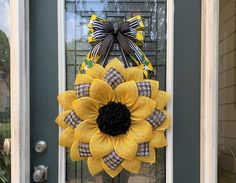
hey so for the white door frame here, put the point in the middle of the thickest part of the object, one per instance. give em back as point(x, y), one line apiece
point(170, 88)
point(209, 90)
point(20, 116)
point(169, 84)
point(61, 82)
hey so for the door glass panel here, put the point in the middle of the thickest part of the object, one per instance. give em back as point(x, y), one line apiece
point(227, 93)
point(5, 126)
point(77, 15)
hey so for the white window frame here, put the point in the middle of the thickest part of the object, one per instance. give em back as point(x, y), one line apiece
point(169, 84)
point(209, 90)
point(20, 116)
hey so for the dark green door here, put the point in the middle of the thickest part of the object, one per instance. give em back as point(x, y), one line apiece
point(44, 79)
point(187, 59)
point(43, 84)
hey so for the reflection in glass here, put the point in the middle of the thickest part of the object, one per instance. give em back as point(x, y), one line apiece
point(227, 93)
point(77, 15)
point(5, 167)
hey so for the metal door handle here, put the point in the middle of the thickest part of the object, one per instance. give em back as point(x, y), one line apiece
point(40, 173)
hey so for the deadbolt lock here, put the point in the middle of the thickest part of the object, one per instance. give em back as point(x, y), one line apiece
point(41, 147)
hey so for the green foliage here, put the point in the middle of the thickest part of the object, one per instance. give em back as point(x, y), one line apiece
point(5, 129)
point(5, 167)
point(3, 176)
point(5, 160)
point(5, 55)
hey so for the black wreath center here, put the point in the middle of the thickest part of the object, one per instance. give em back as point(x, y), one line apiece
point(114, 118)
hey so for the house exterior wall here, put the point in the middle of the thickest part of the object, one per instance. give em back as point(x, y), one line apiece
point(227, 90)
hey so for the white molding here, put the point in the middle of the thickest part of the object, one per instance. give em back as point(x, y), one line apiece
point(170, 87)
point(209, 88)
point(20, 116)
point(61, 82)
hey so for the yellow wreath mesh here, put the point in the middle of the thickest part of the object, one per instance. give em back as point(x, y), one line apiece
point(149, 119)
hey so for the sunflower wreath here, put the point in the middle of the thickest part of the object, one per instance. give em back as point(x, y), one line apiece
point(114, 118)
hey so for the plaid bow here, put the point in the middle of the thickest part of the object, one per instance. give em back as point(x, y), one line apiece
point(102, 34)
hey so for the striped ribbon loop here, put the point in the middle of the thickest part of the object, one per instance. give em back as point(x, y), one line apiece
point(129, 35)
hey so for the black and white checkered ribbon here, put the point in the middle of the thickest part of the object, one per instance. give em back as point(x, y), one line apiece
point(84, 150)
point(113, 78)
point(112, 160)
point(144, 88)
point(82, 90)
point(156, 118)
point(72, 120)
point(143, 149)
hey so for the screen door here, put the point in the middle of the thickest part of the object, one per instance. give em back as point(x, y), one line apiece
point(77, 15)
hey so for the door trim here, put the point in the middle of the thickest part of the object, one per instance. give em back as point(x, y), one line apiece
point(170, 87)
point(61, 82)
point(20, 105)
point(209, 90)
point(169, 84)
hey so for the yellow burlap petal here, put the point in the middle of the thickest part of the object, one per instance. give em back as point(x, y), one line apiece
point(100, 145)
point(86, 108)
point(126, 93)
point(83, 78)
point(94, 165)
point(66, 98)
point(101, 91)
point(162, 99)
point(166, 123)
point(125, 146)
point(132, 165)
point(66, 137)
point(154, 88)
point(159, 139)
point(74, 152)
point(111, 172)
point(85, 130)
point(142, 108)
point(97, 71)
point(134, 73)
point(149, 159)
point(116, 64)
point(141, 131)
point(60, 119)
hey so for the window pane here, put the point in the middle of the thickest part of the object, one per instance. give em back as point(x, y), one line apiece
point(77, 16)
point(5, 167)
point(227, 93)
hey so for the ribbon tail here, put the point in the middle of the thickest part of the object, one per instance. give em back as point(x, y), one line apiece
point(140, 58)
point(88, 62)
point(105, 58)
point(105, 45)
point(98, 52)
point(122, 40)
